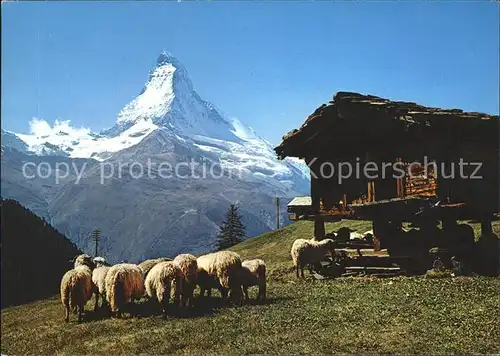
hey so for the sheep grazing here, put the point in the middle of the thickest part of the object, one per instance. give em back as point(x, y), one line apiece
point(99, 280)
point(159, 282)
point(123, 283)
point(307, 252)
point(84, 260)
point(76, 286)
point(146, 265)
point(189, 269)
point(101, 261)
point(221, 270)
point(254, 274)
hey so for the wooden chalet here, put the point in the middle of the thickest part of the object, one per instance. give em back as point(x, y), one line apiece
point(359, 129)
point(299, 208)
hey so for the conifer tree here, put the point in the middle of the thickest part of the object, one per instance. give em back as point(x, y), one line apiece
point(232, 230)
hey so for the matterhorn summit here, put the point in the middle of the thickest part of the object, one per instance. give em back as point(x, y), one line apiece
point(166, 122)
point(169, 100)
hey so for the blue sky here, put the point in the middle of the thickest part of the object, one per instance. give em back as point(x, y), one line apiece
point(268, 63)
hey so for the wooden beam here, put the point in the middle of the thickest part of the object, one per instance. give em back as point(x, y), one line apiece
point(319, 228)
point(377, 227)
point(486, 228)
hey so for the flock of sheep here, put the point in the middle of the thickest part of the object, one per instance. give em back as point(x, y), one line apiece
point(121, 284)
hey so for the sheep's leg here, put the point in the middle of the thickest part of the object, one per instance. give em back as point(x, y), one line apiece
point(96, 305)
point(297, 270)
point(66, 317)
point(189, 296)
point(134, 308)
point(177, 292)
point(262, 291)
point(80, 310)
point(206, 292)
point(177, 301)
point(165, 299)
point(223, 292)
point(164, 306)
point(302, 271)
point(236, 295)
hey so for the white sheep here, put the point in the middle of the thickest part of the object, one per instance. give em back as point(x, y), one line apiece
point(76, 286)
point(307, 252)
point(189, 269)
point(83, 260)
point(221, 270)
point(254, 274)
point(100, 261)
point(124, 282)
point(99, 280)
point(146, 265)
point(159, 283)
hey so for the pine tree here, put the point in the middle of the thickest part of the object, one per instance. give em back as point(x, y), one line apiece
point(232, 230)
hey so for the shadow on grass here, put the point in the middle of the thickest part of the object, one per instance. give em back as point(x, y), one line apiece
point(202, 307)
point(267, 301)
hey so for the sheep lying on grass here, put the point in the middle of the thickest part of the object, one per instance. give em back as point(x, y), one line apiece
point(307, 252)
point(189, 269)
point(99, 280)
point(124, 282)
point(254, 274)
point(146, 265)
point(76, 286)
point(159, 282)
point(221, 270)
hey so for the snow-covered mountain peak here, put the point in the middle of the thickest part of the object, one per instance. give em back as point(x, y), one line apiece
point(170, 101)
point(168, 104)
point(155, 99)
point(168, 79)
point(166, 57)
point(181, 79)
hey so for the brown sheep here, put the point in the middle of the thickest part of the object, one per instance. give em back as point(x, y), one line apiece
point(189, 268)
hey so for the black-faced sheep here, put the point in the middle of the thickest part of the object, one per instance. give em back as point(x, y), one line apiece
point(124, 282)
point(159, 283)
point(307, 252)
point(221, 270)
point(76, 286)
point(254, 274)
point(189, 269)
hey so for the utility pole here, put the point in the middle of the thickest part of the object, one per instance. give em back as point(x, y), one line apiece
point(96, 236)
point(277, 213)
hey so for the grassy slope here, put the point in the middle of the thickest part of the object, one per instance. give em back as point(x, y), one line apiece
point(406, 315)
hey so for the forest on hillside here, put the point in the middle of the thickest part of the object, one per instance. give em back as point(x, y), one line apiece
point(34, 255)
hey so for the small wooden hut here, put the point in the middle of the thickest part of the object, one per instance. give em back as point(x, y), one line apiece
point(419, 147)
point(299, 208)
